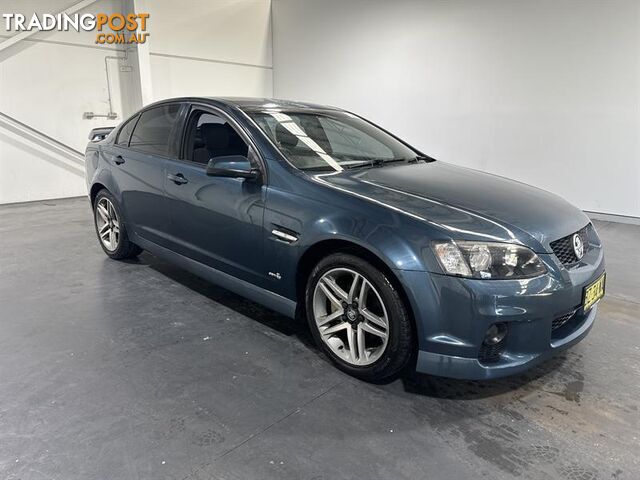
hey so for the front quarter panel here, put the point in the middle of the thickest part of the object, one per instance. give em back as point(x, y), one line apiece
point(315, 213)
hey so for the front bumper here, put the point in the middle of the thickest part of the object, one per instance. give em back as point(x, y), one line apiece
point(510, 363)
point(453, 315)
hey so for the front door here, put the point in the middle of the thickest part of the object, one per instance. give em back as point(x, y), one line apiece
point(215, 220)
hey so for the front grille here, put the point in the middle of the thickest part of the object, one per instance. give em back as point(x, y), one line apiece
point(560, 321)
point(491, 353)
point(563, 248)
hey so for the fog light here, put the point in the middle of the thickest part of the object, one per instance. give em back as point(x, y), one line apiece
point(495, 333)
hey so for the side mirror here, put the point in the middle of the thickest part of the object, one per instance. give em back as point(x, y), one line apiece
point(232, 166)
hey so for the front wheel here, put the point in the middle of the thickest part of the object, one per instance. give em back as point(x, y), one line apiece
point(358, 318)
point(110, 228)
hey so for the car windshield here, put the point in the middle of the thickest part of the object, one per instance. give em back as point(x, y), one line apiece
point(330, 140)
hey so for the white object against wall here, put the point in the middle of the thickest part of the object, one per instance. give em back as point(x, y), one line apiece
point(545, 92)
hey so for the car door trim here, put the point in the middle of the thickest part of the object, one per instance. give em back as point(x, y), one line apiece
point(260, 295)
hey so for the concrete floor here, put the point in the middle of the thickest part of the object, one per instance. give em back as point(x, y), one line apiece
point(112, 370)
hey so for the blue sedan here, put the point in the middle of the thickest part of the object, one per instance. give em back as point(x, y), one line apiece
point(395, 259)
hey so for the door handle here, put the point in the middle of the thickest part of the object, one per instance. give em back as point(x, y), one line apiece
point(178, 178)
point(119, 160)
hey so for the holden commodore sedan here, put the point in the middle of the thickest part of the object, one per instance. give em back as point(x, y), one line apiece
point(395, 259)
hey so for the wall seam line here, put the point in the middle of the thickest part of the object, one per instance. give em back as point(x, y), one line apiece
point(211, 60)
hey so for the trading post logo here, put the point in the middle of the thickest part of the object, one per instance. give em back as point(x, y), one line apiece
point(123, 28)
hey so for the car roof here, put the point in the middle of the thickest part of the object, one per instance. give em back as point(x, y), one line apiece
point(268, 103)
point(250, 103)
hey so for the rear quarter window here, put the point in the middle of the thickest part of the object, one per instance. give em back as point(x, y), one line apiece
point(125, 132)
point(153, 131)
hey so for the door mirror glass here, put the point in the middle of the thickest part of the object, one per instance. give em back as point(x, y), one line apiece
point(233, 166)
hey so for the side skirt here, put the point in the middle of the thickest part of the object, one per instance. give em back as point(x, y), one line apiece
point(252, 292)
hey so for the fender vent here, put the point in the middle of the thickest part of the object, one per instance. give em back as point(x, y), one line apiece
point(284, 234)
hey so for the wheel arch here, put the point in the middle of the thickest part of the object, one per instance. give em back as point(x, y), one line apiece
point(321, 249)
point(93, 192)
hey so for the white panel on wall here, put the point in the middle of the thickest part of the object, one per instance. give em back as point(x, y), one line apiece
point(174, 77)
point(226, 30)
point(210, 48)
point(546, 92)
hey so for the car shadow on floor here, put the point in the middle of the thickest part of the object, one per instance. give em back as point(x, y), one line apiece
point(412, 382)
point(241, 305)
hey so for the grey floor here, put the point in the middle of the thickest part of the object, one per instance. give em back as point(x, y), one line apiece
point(112, 370)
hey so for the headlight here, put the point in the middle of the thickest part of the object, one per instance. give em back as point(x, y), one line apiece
point(488, 260)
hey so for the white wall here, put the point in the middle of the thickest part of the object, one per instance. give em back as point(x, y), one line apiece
point(49, 79)
point(546, 92)
point(219, 48)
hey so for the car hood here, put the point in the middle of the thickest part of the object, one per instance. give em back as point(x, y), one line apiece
point(465, 203)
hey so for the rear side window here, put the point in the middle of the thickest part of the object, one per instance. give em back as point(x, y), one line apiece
point(153, 130)
point(125, 132)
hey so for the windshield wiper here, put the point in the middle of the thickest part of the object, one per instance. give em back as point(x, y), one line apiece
point(319, 168)
point(424, 158)
point(393, 160)
point(374, 162)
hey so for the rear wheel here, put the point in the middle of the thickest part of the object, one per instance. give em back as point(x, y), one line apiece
point(110, 229)
point(358, 318)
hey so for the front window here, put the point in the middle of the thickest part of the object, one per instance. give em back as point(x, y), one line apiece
point(331, 141)
point(210, 136)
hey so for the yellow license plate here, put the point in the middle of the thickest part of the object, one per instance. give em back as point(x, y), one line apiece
point(593, 293)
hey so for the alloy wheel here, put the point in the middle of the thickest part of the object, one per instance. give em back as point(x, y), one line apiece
point(351, 316)
point(108, 224)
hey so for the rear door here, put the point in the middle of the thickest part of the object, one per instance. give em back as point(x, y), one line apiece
point(216, 220)
point(142, 149)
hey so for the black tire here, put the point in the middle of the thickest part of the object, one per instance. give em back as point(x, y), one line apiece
point(400, 344)
point(125, 248)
